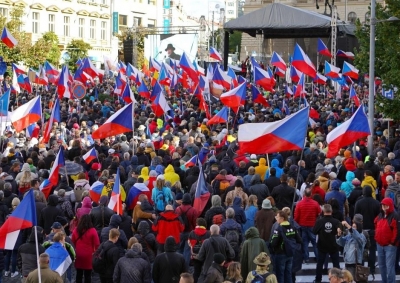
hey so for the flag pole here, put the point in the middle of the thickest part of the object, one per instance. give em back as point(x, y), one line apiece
point(37, 255)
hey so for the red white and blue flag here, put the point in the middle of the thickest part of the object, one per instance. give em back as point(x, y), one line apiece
point(63, 85)
point(350, 71)
point(26, 114)
point(322, 49)
point(215, 54)
point(201, 195)
point(277, 61)
point(95, 191)
point(54, 117)
point(220, 118)
point(258, 97)
point(52, 181)
point(90, 156)
point(331, 71)
point(134, 193)
point(302, 62)
point(344, 54)
point(354, 97)
point(116, 197)
point(8, 39)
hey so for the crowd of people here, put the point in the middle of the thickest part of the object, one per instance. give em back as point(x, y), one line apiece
point(263, 212)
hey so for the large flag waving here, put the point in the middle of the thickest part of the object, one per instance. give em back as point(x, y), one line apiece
point(24, 216)
point(54, 117)
point(302, 62)
point(201, 195)
point(52, 181)
point(286, 134)
point(353, 129)
point(26, 114)
point(115, 199)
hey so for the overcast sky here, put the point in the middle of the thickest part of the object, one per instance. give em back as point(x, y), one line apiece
point(198, 8)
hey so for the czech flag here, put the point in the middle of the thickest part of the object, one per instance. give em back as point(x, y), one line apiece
point(50, 69)
point(120, 122)
point(220, 118)
point(127, 94)
point(120, 83)
point(154, 65)
point(263, 78)
point(201, 195)
point(288, 91)
point(26, 114)
point(63, 86)
point(160, 105)
point(4, 103)
point(353, 95)
point(163, 77)
point(122, 67)
point(78, 62)
point(17, 69)
point(323, 50)
point(33, 131)
point(135, 192)
point(277, 61)
point(280, 73)
point(300, 89)
point(320, 79)
point(88, 67)
point(347, 133)
point(331, 71)
point(24, 216)
point(155, 91)
point(350, 71)
point(302, 62)
point(60, 259)
point(295, 74)
point(90, 156)
point(52, 181)
point(258, 97)
point(23, 82)
point(115, 199)
point(143, 90)
point(221, 78)
point(188, 67)
point(215, 54)
point(95, 191)
point(232, 75)
point(344, 54)
point(286, 134)
point(54, 117)
point(132, 72)
point(234, 97)
point(285, 108)
point(8, 39)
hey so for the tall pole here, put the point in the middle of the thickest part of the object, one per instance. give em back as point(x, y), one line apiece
point(212, 30)
point(371, 95)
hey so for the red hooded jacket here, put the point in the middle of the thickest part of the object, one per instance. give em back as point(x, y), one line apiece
point(168, 224)
point(386, 225)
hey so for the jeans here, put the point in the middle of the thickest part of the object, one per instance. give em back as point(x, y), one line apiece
point(184, 248)
point(10, 256)
point(320, 262)
point(372, 252)
point(386, 261)
point(80, 273)
point(283, 267)
point(308, 236)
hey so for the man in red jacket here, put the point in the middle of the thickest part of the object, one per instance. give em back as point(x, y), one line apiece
point(167, 224)
point(305, 214)
point(387, 233)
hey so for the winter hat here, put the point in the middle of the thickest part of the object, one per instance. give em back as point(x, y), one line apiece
point(186, 199)
point(358, 218)
point(219, 258)
point(26, 168)
point(356, 182)
point(160, 177)
point(332, 175)
point(266, 204)
point(56, 225)
point(96, 166)
point(335, 185)
point(253, 157)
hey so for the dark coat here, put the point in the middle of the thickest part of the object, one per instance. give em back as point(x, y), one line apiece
point(214, 274)
point(263, 221)
point(39, 207)
point(4, 211)
point(49, 214)
point(259, 189)
point(147, 240)
point(132, 268)
point(112, 256)
point(27, 260)
point(122, 242)
point(272, 182)
point(284, 195)
point(101, 217)
point(368, 207)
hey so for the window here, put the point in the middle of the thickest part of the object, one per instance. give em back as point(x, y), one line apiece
point(103, 30)
point(67, 21)
point(231, 4)
point(92, 29)
point(352, 17)
point(4, 12)
point(230, 12)
point(81, 28)
point(137, 21)
point(35, 22)
point(52, 22)
point(123, 20)
point(367, 17)
point(151, 23)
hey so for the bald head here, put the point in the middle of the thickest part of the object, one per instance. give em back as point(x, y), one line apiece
point(214, 229)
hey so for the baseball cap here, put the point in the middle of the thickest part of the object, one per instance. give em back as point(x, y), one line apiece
point(56, 225)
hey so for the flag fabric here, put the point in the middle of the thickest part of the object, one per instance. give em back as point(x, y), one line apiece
point(193, 161)
point(32, 131)
point(221, 78)
point(288, 91)
point(143, 90)
point(285, 108)
point(313, 113)
point(188, 67)
point(302, 62)
point(49, 69)
point(115, 199)
point(350, 70)
point(348, 132)
point(15, 86)
point(344, 54)
point(277, 61)
point(215, 54)
point(95, 191)
point(24, 216)
point(55, 116)
point(23, 82)
point(295, 74)
point(233, 98)
point(322, 49)
point(134, 193)
point(59, 258)
point(258, 97)
point(339, 92)
point(90, 156)
point(388, 93)
point(201, 195)
point(220, 118)
point(164, 76)
point(312, 122)
point(331, 71)
point(286, 134)
point(320, 79)
point(120, 83)
point(26, 114)
point(263, 79)
point(154, 65)
point(18, 69)
point(4, 103)
point(88, 67)
point(8, 39)
point(232, 75)
point(63, 86)
point(280, 72)
point(127, 94)
point(300, 89)
point(120, 122)
point(53, 179)
point(354, 97)
point(160, 105)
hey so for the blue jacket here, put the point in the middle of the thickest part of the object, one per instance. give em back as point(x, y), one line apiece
point(340, 196)
point(250, 215)
point(274, 164)
point(347, 186)
point(352, 241)
point(231, 224)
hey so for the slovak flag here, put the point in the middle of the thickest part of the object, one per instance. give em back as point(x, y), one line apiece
point(116, 198)
point(277, 61)
point(24, 216)
point(350, 71)
point(26, 114)
point(220, 118)
point(353, 95)
point(331, 71)
point(201, 195)
point(258, 97)
point(54, 117)
point(323, 50)
point(95, 191)
point(52, 181)
point(8, 39)
point(283, 135)
point(120, 122)
point(348, 132)
point(90, 156)
point(215, 54)
point(160, 105)
point(302, 62)
point(134, 193)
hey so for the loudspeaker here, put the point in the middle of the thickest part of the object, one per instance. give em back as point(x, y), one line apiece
point(128, 51)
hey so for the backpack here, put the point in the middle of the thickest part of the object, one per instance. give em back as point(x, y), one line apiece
point(289, 244)
point(258, 278)
point(199, 242)
point(392, 195)
point(218, 219)
point(99, 258)
point(160, 200)
point(367, 245)
point(185, 220)
point(232, 236)
point(78, 190)
point(223, 184)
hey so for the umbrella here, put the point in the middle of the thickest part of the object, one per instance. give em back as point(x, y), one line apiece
point(72, 168)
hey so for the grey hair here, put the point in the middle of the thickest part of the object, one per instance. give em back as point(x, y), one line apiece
point(7, 186)
point(214, 229)
point(138, 246)
point(389, 179)
point(391, 155)
point(230, 213)
point(327, 208)
point(336, 272)
point(127, 156)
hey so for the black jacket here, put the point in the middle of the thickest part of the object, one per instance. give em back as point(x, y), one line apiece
point(259, 189)
point(368, 207)
point(284, 195)
point(143, 159)
point(228, 164)
point(49, 214)
point(147, 240)
point(27, 260)
point(101, 217)
point(215, 274)
point(4, 211)
point(132, 268)
point(169, 265)
point(112, 256)
point(277, 238)
point(212, 212)
point(326, 229)
point(39, 207)
point(272, 182)
point(122, 242)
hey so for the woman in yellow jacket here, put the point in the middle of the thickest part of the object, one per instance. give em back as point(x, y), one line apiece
point(370, 181)
point(170, 175)
point(144, 173)
point(262, 168)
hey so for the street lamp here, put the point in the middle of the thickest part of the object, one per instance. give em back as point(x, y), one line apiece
point(371, 95)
